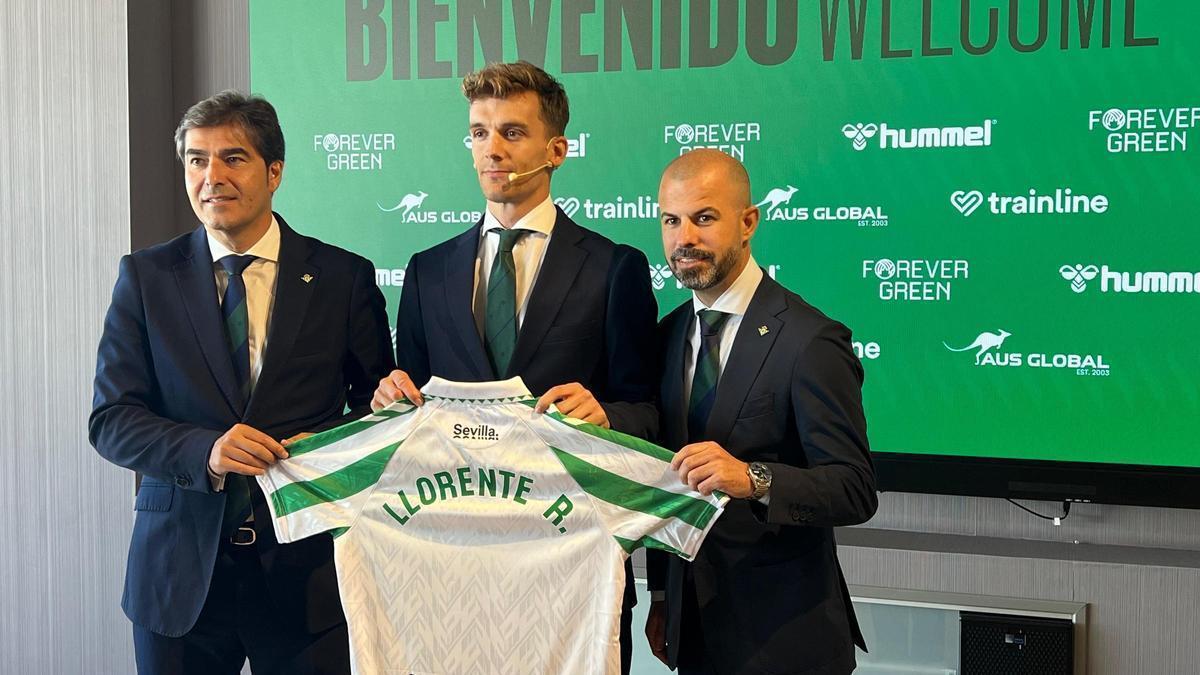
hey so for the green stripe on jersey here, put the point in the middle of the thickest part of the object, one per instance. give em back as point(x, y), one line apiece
point(340, 484)
point(634, 496)
point(326, 438)
point(649, 542)
point(616, 437)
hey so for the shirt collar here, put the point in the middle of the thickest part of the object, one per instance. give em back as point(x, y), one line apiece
point(736, 299)
point(512, 388)
point(267, 247)
point(540, 219)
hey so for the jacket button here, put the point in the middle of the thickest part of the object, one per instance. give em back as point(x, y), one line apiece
point(183, 481)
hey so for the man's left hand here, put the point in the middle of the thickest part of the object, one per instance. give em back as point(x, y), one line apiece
point(573, 400)
point(707, 466)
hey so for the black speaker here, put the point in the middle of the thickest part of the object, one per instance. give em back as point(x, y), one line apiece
point(1000, 644)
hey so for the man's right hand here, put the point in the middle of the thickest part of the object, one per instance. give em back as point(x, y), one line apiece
point(245, 450)
point(656, 630)
point(395, 386)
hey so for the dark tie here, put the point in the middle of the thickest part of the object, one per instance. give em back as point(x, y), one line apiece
point(237, 329)
point(707, 373)
point(500, 321)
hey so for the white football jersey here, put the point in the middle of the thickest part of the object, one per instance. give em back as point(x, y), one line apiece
point(474, 535)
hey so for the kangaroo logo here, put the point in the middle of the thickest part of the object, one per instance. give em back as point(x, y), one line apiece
point(984, 342)
point(859, 133)
point(409, 203)
point(659, 275)
point(777, 197)
point(1078, 275)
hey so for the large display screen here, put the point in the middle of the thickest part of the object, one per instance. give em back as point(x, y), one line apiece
point(999, 197)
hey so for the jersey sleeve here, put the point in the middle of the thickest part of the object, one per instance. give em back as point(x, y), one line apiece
point(640, 500)
point(326, 479)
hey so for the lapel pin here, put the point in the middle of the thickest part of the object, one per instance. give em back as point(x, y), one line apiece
point(307, 278)
point(763, 330)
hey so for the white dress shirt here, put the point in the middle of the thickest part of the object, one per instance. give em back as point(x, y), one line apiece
point(259, 277)
point(734, 302)
point(528, 253)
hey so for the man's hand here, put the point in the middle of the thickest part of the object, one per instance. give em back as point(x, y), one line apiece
point(298, 437)
point(395, 386)
point(573, 400)
point(244, 450)
point(656, 629)
point(707, 466)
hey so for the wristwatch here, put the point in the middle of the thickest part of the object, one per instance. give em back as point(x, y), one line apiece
point(760, 479)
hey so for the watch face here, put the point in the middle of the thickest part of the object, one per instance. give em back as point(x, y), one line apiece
point(760, 476)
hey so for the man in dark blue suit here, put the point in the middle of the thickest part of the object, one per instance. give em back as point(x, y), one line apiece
point(526, 291)
point(762, 396)
point(217, 344)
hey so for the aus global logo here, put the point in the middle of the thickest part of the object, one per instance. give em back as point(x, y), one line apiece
point(410, 209)
point(988, 350)
point(777, 205)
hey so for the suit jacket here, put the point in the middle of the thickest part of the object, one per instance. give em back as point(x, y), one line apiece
point(769, 591)
point(590, 319)
point(165, 390)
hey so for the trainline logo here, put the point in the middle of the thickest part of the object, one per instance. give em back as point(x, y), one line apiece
point(641, 207)
point(1112, 281)
point(891, 138)
point(1030, 202)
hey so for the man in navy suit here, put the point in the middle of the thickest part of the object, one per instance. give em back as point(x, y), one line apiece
point(216, 345)
point(526, 291)
point(761, 394)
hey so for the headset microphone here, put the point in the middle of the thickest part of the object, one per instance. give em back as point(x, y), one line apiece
point(513, 176)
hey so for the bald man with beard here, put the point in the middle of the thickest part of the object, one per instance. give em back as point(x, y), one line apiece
point(761, 395)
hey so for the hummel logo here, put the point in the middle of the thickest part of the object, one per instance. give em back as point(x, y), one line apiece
point(307, 278)
point(859, 133)
point(659, 275)
point(1078, 275)
point(966, 202)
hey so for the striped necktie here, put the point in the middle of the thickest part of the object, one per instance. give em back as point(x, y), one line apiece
point(237, 329)
point(500, 321)
point(707, 373)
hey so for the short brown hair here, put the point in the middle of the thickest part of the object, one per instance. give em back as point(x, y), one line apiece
point(501, 80)
point(253, 114)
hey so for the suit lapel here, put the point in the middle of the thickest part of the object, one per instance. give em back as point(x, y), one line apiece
point(292, 295)
point(460, 298)
point(677, 327)
point(198, 290)
point(560, 265)
point(750, 349)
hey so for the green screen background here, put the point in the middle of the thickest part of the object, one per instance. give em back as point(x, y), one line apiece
point(1141, 408)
